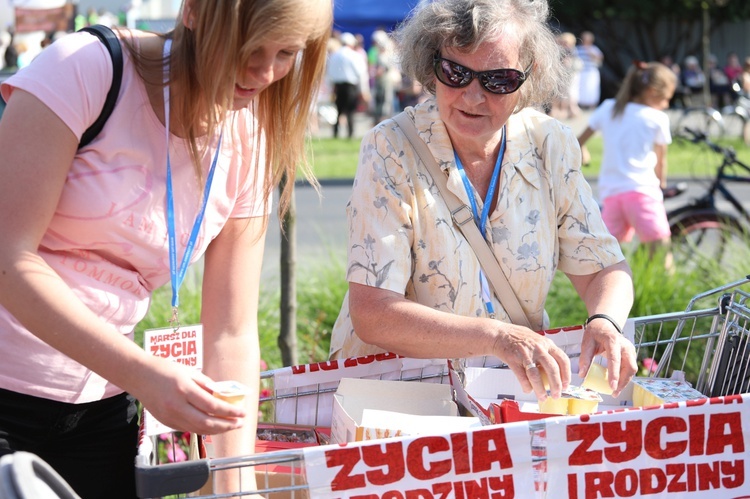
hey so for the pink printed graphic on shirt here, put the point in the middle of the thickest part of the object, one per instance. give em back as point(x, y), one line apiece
point(96, 208)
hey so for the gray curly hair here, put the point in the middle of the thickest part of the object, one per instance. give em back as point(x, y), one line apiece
point(466, 24)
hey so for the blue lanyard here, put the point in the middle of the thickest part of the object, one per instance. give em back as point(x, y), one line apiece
point(482, 221)
point(178, 273)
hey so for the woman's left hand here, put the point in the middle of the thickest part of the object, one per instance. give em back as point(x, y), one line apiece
point(601, 338)
point(608, 291)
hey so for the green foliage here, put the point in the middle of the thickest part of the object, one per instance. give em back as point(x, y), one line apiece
point(320, 292)
point(656, 290)
point(334, 158)
point(563, 304)
point(646, 11)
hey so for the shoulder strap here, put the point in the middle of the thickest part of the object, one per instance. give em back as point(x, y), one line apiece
point(110, 40)
point(463, 219)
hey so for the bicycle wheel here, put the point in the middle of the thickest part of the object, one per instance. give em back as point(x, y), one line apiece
point(705, 120)
point(708, 237)
point(734, 123)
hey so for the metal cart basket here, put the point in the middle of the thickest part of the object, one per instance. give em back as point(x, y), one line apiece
point(708, 346)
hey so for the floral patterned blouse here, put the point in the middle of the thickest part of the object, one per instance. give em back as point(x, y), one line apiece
point(401, 236)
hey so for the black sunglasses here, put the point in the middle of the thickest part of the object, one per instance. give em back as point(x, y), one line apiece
point(496, 81)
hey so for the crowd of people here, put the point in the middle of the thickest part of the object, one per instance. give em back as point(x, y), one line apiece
point(363, 78)
point(725, 82)
point(382, 90)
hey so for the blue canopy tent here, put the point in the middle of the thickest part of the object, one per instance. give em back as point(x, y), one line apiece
point(365, 16)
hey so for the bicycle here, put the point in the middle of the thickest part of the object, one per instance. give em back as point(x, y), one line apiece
point(700, 229)
point(703, 119)
point(736, 116)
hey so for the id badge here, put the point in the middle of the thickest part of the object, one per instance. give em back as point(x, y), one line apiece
point(183, 344)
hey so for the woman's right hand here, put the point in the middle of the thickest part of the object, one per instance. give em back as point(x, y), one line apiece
point(179, 397)
point(531, 356)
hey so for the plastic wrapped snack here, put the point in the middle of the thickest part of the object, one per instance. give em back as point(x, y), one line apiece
point(657, 391)
point(574, 400)
point(583, 401)
point(231, 391)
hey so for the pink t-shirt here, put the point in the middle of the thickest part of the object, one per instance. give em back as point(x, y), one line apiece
point(108, 236)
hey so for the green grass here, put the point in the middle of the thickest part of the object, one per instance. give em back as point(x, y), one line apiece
point(334, 158)
point(337, 158)
point(684, 159)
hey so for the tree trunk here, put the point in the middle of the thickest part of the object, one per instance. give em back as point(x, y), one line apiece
point(288, 308)
point(706, 45)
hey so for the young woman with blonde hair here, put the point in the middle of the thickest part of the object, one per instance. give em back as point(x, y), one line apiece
point(208, 119)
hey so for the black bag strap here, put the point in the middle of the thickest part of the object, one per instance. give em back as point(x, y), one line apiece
point(110, 40)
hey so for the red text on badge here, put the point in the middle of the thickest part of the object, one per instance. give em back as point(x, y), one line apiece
point(183, 345)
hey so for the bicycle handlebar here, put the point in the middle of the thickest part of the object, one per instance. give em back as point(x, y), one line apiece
point(728, 152)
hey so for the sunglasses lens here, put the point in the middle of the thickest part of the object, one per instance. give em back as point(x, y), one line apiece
point(451, 74)
point(497, 81)
point(502, 81)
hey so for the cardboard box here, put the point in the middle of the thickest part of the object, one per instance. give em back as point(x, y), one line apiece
point(495, 396)
point(365, 409)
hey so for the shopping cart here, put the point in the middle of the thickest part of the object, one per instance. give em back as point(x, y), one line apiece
point(707, 346)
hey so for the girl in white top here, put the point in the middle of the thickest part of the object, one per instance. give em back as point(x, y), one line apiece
point(636, 133)
point(208, 119)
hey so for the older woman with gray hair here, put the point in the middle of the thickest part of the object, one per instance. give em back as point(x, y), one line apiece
point(416, 285)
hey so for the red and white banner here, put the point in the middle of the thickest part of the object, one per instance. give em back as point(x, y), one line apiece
point(493, 461)
point(693, 449)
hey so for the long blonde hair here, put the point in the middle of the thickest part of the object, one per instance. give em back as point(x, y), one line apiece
point(207, 56)
point(640, 77)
